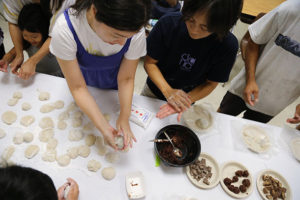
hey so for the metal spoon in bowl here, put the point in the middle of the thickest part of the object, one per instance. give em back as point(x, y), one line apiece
point(176, 151)
point(159, 140)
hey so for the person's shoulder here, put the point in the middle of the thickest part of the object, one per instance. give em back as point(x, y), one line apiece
point(139, 35)
point(229, 40)
point(171, 17)
point(60, 21)
point(292, 6)
point(169, 22)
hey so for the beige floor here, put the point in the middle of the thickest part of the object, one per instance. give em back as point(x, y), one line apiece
point(214, 98)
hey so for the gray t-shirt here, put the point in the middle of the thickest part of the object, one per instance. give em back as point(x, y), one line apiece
point(278, 68)
point(48, 65)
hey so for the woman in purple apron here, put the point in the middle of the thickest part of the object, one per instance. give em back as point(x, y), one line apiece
point(99, 43)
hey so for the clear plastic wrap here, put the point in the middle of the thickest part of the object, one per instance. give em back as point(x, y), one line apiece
point(254, 137)
point(200, 118)
point(291, 141)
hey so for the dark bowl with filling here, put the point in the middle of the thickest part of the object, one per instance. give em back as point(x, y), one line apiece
point(184, 139)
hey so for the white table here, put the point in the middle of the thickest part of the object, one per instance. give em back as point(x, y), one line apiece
point(162, 183)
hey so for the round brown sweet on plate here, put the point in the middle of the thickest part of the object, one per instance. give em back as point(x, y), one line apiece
point(235, 190)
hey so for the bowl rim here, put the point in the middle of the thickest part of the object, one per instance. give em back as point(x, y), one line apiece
point(193, 135)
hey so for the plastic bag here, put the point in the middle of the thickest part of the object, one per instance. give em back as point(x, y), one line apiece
point(254, 137)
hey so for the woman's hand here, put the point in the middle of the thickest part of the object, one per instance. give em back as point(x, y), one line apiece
point(109, 136)
point(166, 110)
point(178, 99)
point(73, 191)
point(124, 129)
point(16, 64)
point(3, 65)
point(27, 69)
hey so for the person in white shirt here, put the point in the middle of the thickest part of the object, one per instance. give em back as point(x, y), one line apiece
point(99, 43)
point(34, 26)
point(12, 9)
point(271, 78)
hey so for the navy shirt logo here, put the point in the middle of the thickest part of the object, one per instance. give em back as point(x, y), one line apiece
point(288, 44)
point(186, 62)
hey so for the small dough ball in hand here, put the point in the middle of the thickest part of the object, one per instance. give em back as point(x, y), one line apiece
point(44, 96)
point(28, 137)
point(46, 122)
point(31, 151)
point(119, 141)
point(90, 140)
point(17, 95)
point(59, 104)
point(49, 155)
point(2, 133)
point(93, 165)
point(12, 102)
point(84, 151)
point(63, 160)
point(18, 138)
point(9, 117)
point(27, 120)
point(26, 106)
point(108, 173)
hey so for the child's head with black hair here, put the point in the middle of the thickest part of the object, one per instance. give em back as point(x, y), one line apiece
point(34, 24)
point(204, 17)
point(24, 183)
point(115, 20)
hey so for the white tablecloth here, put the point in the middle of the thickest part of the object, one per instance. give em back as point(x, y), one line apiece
point(162, 183)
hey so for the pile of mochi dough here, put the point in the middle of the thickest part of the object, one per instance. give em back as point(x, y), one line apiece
point(256, 139)
point(46, 135)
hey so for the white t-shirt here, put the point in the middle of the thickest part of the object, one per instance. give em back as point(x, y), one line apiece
point(55, 14)
point(278, 68)
point(64, 46)
point(12, 8)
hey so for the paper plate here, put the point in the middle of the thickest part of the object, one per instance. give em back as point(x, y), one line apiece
point(198, 118)
point(135, 185)
point(256, 139)
point(295, 147)
point(214, 180)
point(276, 175)
point(228, 171)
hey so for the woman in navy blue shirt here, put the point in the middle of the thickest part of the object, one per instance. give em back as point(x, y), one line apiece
point(189, 53)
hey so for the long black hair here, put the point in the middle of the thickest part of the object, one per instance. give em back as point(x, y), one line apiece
point(221, 14)
point(124, 15)
point(33, 19)
point(24, 183)
point(48, 6)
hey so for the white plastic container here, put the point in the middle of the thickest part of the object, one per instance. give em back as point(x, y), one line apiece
point(135, 185)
